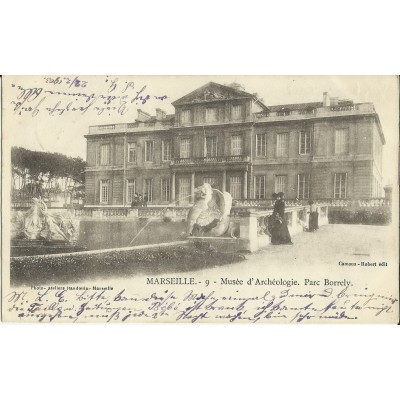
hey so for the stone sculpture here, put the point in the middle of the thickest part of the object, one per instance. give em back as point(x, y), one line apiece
point(210, 213)
point(38, 223)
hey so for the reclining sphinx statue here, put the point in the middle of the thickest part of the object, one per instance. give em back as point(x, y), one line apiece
point(210, 214)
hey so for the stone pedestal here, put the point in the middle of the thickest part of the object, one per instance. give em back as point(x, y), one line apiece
point(133, 213)
point(248, 231)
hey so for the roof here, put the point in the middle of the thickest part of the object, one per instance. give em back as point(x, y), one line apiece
point(212, 92)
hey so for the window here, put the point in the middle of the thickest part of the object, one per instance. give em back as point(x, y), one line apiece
point(132, 152)
point(166, 150)
point(237, 111)
point(130, 190)
point(340, 183)
point(261, 145)
point(211, 115)
point(305, 142)
point(236, 187)
point(148, 190)
point(105, 154)
point(236, 145)
point(341, 141)
point(184, 190)
point(185, 116)
point(259, 187)
point(149, 151)
point(185, 148)
point(211, 180)
point(282, 145)
point(104, 191)
point(211, 146)
point(280, 183)
point(303, 186)
point(165, 189)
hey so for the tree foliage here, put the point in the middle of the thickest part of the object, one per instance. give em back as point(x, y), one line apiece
point(41, 168)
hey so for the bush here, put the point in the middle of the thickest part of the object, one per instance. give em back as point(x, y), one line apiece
point(77, 267)
point(363, 217)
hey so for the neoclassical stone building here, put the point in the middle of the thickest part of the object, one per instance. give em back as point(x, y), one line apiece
point(227, 137)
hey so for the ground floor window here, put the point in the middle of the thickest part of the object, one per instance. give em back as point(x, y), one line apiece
point(165, 189)
point(104, 190)
point(340, 186)
point(184, 190)
point(259, 187)
point(130, 190)
point(280, 183)
point(148, 190)
point(303, 186)
point(236, 187)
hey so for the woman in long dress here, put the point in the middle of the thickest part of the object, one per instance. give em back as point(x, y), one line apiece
point(277, 225)
point(313, 220)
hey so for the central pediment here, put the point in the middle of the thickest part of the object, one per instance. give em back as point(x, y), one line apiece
point(212, 92)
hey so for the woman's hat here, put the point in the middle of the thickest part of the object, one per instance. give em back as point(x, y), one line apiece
point(274, 195)
point(280, 194)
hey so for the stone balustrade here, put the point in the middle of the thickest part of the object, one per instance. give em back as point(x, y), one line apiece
point(287, 114)
point(252, 224)
point(175, 213)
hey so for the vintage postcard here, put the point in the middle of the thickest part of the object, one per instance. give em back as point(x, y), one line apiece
point(223, 199)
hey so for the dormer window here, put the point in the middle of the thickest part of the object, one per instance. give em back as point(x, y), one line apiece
point(211, 114)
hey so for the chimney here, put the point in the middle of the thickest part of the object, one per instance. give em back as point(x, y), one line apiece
point(160, 114)
point(326, 101)
point(142, 116)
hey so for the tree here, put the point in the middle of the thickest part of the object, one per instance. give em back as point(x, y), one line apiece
point(37, 171)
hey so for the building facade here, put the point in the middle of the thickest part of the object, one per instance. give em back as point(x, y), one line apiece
point(229, 138)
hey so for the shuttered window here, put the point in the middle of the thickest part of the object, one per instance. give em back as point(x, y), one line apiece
point(282, 145)
point(236, 145)
point(341, 141)
point(340, 186)
point(280, 183)
point(261, 145)
point(305, 142)
point(165, 189)
point(259, 187)
point(105, 154)
point(236, 187)
point(303, 186)
point(104, 190)
point(185, 148)
point(130, 190)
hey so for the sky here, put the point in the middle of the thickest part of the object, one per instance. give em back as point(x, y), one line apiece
point(33, 127)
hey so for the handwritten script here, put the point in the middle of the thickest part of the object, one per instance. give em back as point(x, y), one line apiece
point(49, 304)
point(57, 96)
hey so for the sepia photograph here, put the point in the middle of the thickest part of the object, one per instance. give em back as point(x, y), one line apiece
point(200, 199)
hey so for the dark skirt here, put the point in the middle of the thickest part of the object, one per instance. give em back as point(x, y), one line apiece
point(278, 230)
point(313, 223)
